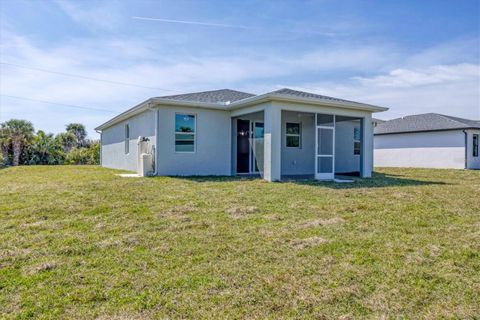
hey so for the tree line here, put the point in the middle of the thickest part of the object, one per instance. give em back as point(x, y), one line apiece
point(21, 145)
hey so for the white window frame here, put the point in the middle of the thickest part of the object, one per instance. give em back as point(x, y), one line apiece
point(126, 134)
point(357, 140)
point(299, 135)
point(194, 115)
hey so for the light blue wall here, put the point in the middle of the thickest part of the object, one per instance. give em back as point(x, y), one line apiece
point(216, 143)
point(113, 141)
point(345, 160)
point(299, 161)
point(213, 141)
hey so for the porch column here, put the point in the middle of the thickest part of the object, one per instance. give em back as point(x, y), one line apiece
point(272, 143)
point(366, 147)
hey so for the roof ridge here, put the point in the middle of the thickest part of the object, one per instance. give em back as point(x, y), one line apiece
point(308, 93)
point(431, 121)
point(206, 91)
point(451, 118)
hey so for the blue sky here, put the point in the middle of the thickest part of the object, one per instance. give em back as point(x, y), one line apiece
point(411, 56)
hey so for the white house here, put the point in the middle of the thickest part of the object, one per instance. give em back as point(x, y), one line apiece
point(428, 140)
point(225, 132)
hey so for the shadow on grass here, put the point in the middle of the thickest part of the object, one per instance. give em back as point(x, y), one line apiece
point(378, 180)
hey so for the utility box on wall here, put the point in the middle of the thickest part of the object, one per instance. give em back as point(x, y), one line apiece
point(145, 164)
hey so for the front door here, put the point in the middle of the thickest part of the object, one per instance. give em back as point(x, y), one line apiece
point(325, 155)
point(243, 146)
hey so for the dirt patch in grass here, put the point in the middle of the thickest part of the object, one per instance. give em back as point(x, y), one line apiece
point(322, 222)
point(300, 244)
point(239, 212)
point(179, 210)
point(47, 266)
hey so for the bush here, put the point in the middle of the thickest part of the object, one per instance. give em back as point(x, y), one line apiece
point(78, 156)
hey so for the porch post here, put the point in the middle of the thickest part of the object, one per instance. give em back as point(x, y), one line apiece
point(272, 142)
point(366, 147)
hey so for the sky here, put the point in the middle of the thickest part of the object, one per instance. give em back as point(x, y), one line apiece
point(87, 61)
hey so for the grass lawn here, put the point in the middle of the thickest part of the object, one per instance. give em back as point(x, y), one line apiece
point(80, 242)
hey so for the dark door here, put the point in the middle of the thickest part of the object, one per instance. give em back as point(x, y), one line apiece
point(243, 146)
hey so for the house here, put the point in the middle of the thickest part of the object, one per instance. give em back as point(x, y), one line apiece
point(428, 140)
point(284, 133)
point(376, 122)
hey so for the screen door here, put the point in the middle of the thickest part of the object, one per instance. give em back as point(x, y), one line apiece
point(325, 148)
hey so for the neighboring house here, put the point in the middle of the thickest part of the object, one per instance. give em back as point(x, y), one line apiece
point(376, 122)
point(428, 140)
point(226, 132)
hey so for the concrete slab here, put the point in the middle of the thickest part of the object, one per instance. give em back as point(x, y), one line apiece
point(128, 175)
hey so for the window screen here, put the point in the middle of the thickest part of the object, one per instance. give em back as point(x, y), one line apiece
point(293, 135)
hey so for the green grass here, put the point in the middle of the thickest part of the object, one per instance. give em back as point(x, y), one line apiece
point(80, 242)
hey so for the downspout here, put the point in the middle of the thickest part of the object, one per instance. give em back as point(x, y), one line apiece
point(157, 113)
point(466, 148)
point(101, 145)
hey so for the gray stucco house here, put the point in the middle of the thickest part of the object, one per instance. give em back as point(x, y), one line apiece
point(428, 140)
point(226, 132)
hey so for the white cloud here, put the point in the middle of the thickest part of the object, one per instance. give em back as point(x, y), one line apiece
point(448, 89)
point(103, 15)
point(353, 58)
point(401, 78)
point(407, 85)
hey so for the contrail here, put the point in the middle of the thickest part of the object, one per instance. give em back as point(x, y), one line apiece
point(221, 25)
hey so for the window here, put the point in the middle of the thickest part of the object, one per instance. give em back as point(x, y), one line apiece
point(127, 139)
point(357, 142)
point(293, 134)
point(475, 145)
point(185, 133)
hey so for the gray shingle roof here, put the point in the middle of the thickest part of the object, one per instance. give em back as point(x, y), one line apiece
point(425, 122)
point(215, 96)
point(225, 95)
point(302, 94)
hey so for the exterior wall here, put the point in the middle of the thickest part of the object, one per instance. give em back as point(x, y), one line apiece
point(113, 141)
point(215, 143)
point(345, 160)
point(439, 149)
point(472, 162)
point(299, 161)
point(212, 154)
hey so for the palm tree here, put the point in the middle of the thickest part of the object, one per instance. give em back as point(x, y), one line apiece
point(67, 140)
point(5, 142)
point(79, 132)
point(20, 133)
point(44, 149)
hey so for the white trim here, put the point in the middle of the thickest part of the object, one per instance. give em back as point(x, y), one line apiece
point(194, 133)
point(324, 176)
